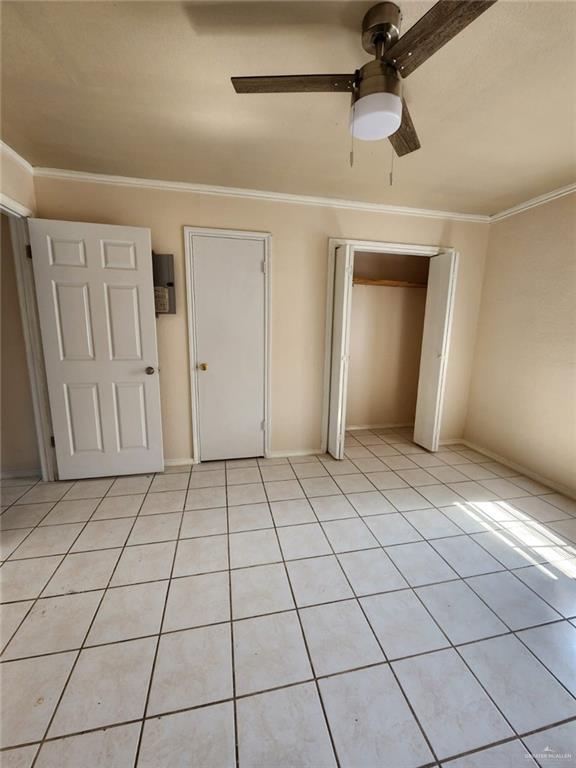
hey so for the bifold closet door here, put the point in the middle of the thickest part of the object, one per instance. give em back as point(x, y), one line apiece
point(343, 273)
point(96, 306)
point(229, 327)
point(435, 345)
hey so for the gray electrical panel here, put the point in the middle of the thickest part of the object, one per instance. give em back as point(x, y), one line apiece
point(164, 291)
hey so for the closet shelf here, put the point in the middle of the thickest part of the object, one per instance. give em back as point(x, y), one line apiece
point(391, 283)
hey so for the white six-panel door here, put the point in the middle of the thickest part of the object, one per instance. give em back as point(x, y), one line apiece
point(227, 281)
point(96, 305)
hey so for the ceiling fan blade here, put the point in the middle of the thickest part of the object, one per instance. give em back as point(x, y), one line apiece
point(294, 83)
point(405, 140)
point(436, 28)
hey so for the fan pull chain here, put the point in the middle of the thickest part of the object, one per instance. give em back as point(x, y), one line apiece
point(352, 138)
point(391, 175)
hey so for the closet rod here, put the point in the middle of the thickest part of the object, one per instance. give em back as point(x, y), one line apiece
point(391, 283)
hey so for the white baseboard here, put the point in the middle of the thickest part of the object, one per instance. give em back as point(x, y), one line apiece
point(179, 462)
point(269, 455)
point(8, 474)
point(513, 465)
point(377, 426)
point(454, 441)
point(284, 454)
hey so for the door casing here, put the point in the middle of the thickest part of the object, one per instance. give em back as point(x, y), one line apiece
point(265, 237)
point(18, 219)
point(370, 246)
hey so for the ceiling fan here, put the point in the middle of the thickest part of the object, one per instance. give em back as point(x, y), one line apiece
point(378, 109)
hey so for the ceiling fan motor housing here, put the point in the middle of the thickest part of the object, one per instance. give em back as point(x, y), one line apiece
point(381, 28)
point(377, 77)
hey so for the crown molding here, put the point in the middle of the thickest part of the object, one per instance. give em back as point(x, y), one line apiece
point(535, 201)
point(11, 206)
point(256, 194)
point(7, 150)
point(282, 197)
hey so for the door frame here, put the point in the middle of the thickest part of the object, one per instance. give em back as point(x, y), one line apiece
point(20, 240)
point(233, 234)
point(376, 246)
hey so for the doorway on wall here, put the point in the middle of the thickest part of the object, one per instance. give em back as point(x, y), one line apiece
point(389, 315)
point(19, 455)
point(228, 328)
point(16, 216)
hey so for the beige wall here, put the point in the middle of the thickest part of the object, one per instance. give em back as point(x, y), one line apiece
point(385, 343)
point(523, 395)
point(299, 265)
point(16, 182)
point(18, 448)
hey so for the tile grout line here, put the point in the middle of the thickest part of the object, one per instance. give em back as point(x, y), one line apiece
point(456, 577)
point(34, 600)
point(231, 608)
point(360, 473)
point(61, 555)
point(506, 569)
point(507, 633)
point(511, 631)
point(303, 634)
point(78, 654)
point(462, 534)
point(158, 640)
point(523, 583)
point(384, 655)
point(451, 449)
point(464, 661)
point(456, 648)
point(168, 713)
point(28, 487)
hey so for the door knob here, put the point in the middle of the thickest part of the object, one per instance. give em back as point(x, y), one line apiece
point(203, 366)
point(149, 370)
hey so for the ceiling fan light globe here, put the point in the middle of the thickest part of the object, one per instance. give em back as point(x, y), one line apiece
point(376, 116)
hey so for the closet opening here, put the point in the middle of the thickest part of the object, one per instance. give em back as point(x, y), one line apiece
point(388, 323)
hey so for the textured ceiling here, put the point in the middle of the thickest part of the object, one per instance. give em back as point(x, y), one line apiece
point(143, 89)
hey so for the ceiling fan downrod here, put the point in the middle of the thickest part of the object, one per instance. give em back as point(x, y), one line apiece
point(381, 28)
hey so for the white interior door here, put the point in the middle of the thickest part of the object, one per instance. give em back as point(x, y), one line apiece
point(435, 345)
point(343, 273)
point(96, 306)
point(228, 279)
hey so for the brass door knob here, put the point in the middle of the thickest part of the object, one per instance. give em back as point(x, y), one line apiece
point(203, 366)
point(149, 370)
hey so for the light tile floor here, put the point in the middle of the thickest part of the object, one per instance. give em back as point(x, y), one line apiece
point(393, 610)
